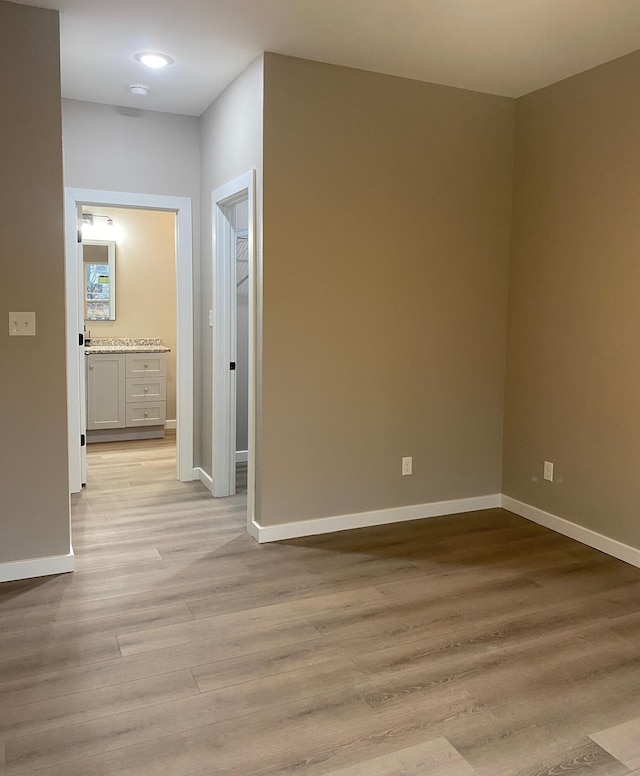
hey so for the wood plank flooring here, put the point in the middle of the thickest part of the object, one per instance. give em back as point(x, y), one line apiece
point(472, 645)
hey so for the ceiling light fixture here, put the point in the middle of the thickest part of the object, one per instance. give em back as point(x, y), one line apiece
point(140, 90)
point(153, 59)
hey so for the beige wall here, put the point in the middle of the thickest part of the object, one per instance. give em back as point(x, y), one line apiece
point(34, 499)
point(573, 377)
point(145, 283)
point(230, 145)
point(145, 152)
point(387, 207)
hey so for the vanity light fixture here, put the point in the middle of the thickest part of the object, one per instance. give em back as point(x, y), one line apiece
point(88, 218)
point(153, 59)
point(96, 226)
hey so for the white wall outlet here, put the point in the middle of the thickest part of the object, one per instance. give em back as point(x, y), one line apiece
point(211, 318)
point(22, 324)
point(548, 471)
point(407, 465)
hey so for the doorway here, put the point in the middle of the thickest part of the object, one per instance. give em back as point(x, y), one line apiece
point(129, 284)
point(233, 320)
point(75, 199)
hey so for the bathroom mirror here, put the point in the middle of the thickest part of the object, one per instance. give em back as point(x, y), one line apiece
point(99, 272)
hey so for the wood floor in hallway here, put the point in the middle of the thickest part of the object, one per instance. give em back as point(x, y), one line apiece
point(471, 645)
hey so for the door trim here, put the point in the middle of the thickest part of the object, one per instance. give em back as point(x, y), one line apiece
point(181, 206)
point(244, 186)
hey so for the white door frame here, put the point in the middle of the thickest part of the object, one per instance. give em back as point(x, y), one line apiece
point(181, 206)
point(224, 338)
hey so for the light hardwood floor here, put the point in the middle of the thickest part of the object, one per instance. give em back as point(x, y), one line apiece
point(474, 645)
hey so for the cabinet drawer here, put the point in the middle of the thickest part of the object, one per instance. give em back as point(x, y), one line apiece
point(147, 414)
point(146, 364)
point(146, 389)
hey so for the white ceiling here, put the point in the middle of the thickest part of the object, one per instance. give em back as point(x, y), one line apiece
point(507, 47)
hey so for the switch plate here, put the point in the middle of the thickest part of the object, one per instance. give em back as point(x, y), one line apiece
point(548, 471)
point(22, 324)
point(211, 318)
point(407, 465)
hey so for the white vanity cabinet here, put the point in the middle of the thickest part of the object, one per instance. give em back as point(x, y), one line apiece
point(105, 391)
point(126, 396)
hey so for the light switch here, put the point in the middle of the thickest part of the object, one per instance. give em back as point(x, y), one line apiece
point(22, 324)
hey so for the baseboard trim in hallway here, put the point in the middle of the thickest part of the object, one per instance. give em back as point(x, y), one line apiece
point(295, 530)
point(36, 567)
point(581, 534)
point(299, 529)
point(60, 564)
point(205, 479)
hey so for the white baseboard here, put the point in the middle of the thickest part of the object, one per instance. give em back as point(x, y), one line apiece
point(242, 456)
point(253, 530)
point(170, 424)
point(598, 541)
point(36, 567)
point(274, 533)
point(126, 434)
point(205, 479)
point(585, 535)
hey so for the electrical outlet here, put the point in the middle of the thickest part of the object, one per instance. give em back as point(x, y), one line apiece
point(22, 324)
point(548, 471)
point(407, 465)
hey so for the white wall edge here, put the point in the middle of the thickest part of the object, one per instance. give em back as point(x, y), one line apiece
point(586, 536)
point(170, 424)
point(36, 567)
point(274, 533)
point(242, 456)
point(205, 479)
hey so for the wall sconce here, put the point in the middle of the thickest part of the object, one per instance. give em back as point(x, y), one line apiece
point(97, 227)
point(88, 218)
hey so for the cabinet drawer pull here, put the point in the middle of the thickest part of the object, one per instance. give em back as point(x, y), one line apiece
point(91, 366)
point(146, 413)
point(146, 365)
point(146, 389)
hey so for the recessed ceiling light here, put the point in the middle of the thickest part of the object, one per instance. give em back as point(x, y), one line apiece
point(153, 59)
point(140, 90)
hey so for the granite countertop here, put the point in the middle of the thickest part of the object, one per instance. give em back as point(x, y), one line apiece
point(126, 345)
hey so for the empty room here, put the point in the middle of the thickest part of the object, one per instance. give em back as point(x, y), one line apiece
point(353, 492)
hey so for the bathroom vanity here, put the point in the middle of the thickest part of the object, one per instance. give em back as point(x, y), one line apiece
point(126, 389)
